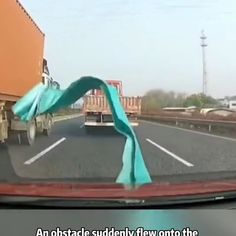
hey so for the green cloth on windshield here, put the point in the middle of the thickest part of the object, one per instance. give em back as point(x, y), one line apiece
point(43, 100)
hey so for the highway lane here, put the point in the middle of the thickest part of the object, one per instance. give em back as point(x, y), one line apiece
point(72, 153)
point(79, 156)
point(207, 153)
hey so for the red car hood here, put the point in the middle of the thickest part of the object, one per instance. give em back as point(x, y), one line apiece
point(115, 191)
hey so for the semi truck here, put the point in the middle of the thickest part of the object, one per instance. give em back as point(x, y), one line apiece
point(97, 111)
point(22, 67)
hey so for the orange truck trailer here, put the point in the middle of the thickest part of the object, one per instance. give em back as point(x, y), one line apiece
point(22, 67)
point(97, 111)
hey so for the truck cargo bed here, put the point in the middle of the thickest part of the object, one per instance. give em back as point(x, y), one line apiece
point(21, 47)
point(131, 105)
point(97, 111)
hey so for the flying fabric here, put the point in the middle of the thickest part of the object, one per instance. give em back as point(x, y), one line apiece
point(42, 100)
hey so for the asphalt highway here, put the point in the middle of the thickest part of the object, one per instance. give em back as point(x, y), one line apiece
point(70, 153)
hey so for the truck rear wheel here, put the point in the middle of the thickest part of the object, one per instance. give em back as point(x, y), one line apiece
point(48, 130)
point(28, 136)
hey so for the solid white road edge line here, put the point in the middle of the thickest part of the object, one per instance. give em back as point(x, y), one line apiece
point(36, 157)
point(170, 153)
point(190, 131)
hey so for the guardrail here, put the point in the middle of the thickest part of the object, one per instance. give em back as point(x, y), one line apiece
point(190, 121)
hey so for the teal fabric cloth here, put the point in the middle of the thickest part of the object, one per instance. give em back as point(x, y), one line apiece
point(43, 100)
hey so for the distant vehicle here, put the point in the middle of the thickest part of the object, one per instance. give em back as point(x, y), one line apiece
point(22, 67)
point(97, 111)
point(217, 111)
point(232, 104)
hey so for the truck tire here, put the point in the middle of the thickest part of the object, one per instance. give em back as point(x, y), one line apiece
point(28, 136)
point(48, 130)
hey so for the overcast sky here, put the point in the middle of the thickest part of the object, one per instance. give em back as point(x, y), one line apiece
point(145, 43)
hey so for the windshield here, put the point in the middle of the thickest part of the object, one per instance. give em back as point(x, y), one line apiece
point(155, 102)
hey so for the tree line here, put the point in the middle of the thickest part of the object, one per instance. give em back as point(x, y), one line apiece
point(156, 99)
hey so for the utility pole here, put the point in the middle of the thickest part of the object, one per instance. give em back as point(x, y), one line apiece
point(204, 45)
